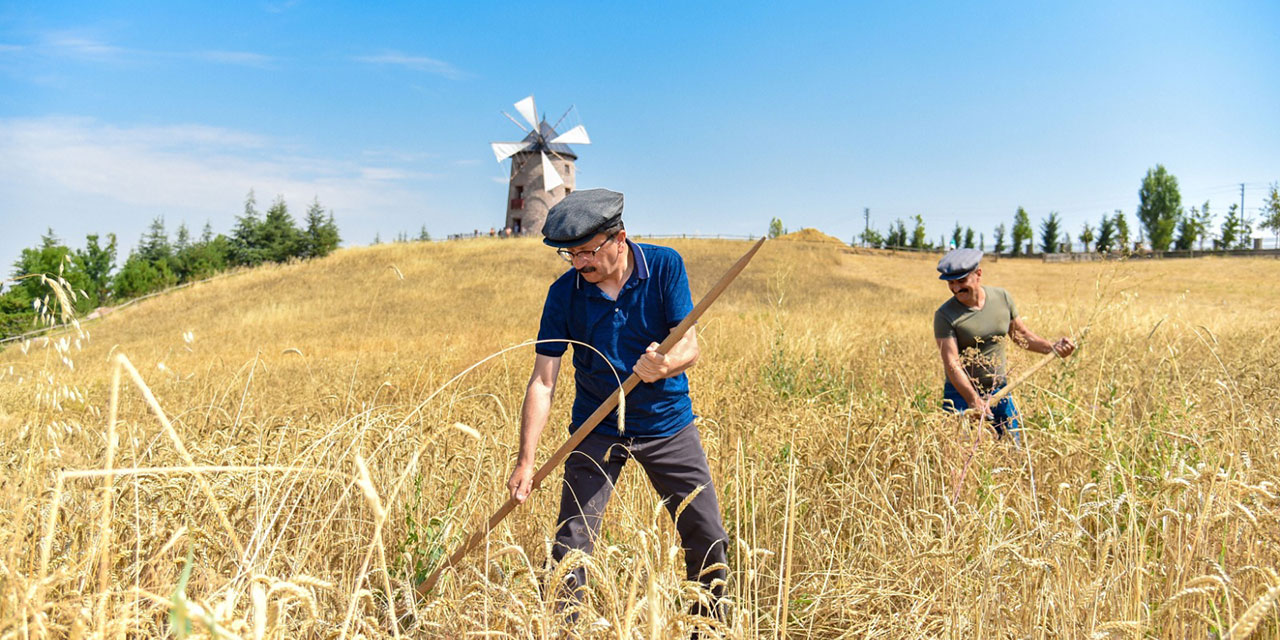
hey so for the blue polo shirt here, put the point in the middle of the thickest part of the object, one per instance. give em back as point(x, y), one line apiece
point(654, 299)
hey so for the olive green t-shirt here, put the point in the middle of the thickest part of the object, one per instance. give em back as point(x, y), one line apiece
point(980, 335)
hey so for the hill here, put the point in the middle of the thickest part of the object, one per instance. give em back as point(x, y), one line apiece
point(1147, 468)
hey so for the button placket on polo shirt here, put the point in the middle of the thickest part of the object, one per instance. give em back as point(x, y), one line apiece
point(620, 316)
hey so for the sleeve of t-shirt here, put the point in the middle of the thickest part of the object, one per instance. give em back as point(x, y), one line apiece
point(675, 292)
point(1013, 309)
point(554, 325)
point(941, 327)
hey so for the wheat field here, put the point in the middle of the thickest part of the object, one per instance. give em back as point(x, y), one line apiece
point(319, 451)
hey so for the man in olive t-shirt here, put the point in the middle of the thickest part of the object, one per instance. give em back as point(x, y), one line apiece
point(971, 329)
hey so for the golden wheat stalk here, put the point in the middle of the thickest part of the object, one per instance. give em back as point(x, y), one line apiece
point(108, 497)
point(1254, 615)
point(123, 361)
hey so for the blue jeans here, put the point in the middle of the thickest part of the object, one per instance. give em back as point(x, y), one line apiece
point(1004, 411)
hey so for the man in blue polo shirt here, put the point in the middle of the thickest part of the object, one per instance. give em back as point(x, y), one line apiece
point(621, 298)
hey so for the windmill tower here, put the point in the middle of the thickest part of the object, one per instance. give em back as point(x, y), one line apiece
point(542, 169)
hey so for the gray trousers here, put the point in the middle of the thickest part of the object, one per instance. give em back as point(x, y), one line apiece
point(675, 465)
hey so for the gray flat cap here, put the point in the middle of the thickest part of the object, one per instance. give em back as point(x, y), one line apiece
point(580, 215)
point(958, 263)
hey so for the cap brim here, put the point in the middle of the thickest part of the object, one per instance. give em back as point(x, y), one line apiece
point(567, 244)
point(955, 276)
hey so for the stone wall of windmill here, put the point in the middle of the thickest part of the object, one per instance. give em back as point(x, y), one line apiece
point(527, 201)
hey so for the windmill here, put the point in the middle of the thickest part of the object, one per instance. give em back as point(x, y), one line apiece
point(542, 169)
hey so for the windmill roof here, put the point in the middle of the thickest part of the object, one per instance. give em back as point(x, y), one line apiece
point(547, 132)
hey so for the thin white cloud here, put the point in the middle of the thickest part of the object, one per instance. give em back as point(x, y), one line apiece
point(75, 45)
point(172, 165)
point(416, 63)
point(80, 175)
point(11, 48)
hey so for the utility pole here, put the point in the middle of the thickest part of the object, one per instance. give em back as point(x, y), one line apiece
point(1244, 241)
point(866, 227)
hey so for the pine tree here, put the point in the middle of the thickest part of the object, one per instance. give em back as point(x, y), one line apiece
point(321, 234)
point(1106, 234)
point(1050, 230)
point(280, 238)
point(154, 246)
point(246, 238)
point(182, 253)
point(1188, 230)
point(897, 234)
point(97, 262)
point(183, 239)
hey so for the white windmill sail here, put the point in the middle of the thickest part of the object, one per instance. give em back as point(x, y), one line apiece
point(550, 177)
point(530, 113)
point(504, 150)
point(576, 135)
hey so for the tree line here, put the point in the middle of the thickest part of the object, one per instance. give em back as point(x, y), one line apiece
point(159, 262)
point(1163, 224)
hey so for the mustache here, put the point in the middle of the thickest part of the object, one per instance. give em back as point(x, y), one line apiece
point(587, 270)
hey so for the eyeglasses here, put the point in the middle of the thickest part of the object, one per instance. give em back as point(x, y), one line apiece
point(589, 254)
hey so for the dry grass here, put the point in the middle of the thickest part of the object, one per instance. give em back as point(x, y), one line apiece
point(1144, 506)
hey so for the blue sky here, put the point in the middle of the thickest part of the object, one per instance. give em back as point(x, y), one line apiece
point(710, 117)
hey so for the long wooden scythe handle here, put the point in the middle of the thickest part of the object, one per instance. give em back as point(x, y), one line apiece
point(590, 424)
point(997, 397)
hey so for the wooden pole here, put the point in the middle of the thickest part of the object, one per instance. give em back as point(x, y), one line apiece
point(590, 424)
point(997, 397)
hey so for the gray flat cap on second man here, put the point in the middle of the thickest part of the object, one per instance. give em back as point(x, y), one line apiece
point(581, 215)
point(958, 263)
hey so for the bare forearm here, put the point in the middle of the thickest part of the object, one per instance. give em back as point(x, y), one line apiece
point(533, 418)
point(960, 380)
point(684, 354)
point(1033, 342)
point(1027, 339)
